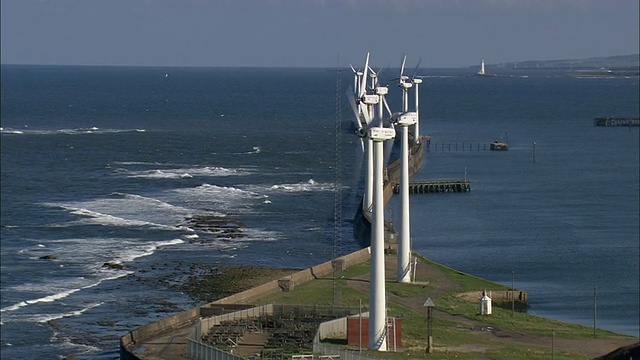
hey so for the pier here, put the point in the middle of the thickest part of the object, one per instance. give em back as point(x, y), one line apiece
point(465, 146)
point(437, 186)
point(616, 121)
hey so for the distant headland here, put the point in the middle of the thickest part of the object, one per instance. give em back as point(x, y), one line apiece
point(618, 62)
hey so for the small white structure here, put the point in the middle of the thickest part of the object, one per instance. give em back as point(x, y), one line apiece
point(482, 72)
point(485, 304)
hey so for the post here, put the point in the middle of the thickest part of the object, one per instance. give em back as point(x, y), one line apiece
point(595, 311)
point(360, 325)
point(534, 151)
point(430, 306)
point(513, 300)
point(553, 344)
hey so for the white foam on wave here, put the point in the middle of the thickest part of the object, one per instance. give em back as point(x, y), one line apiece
point(126, 210)
point(307, 186)
point(75, 131)
point(130, 255)
point(258, 235)
point(187, 172)
point(103, 251)
point(111, 220)
point(92, 130)
point(218, 192)
point(148, 201)
point(11, 132)
point(43, 318)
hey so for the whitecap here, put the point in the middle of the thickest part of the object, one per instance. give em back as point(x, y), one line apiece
point(43, 318)
point(309, 185)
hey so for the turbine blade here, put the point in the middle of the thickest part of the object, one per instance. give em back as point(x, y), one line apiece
point(365, 113)
point(384, 100)
point(416, 69)
point(363, 83)
point(356, 113)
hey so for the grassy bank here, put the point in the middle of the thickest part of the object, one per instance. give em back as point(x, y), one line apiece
point(458, 330)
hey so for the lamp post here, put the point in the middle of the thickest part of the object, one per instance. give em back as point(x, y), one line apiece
point(430, 306)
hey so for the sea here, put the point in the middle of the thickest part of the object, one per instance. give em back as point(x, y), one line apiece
point(108, 172)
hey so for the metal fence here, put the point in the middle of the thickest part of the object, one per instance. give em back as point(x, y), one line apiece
point(201, 351)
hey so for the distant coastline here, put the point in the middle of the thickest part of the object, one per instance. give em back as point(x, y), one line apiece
point(618, 63)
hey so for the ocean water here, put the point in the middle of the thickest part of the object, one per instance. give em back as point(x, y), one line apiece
point(110, 164)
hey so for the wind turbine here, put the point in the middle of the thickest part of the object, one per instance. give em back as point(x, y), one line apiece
point(375, 80)
point(404, 120)
point(377, 296)
point(363, 111)
point(417, 81)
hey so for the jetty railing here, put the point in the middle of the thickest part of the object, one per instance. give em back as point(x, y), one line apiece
point(616, 121)
point(436, 186)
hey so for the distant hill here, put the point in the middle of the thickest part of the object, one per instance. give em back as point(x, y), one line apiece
point(619, 62)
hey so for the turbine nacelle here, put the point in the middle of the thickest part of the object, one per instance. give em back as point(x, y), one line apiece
point(405, 85)
point(406, 119)
point(370, 99)
point(381, 133)
point(417, 81)
point(382, 90)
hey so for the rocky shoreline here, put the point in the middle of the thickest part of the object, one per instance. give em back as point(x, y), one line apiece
point(215, 282)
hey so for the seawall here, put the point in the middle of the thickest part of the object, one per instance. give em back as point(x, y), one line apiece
point(362, 219)
point(189, 317)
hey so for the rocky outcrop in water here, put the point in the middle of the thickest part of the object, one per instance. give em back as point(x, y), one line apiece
point(222, 227)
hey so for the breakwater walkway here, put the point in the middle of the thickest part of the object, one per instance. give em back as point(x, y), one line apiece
point(616, 121)
point(436, 186)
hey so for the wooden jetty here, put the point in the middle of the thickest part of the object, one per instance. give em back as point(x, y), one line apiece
point(465, 146)
point(616, 121)
point(437, 186)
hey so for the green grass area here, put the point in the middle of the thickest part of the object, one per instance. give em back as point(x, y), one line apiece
point(455, 335)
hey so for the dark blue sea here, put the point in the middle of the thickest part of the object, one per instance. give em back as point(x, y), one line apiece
point(110, 164)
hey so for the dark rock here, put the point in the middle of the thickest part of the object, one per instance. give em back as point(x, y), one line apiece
point(113, 266)
point(48, 257)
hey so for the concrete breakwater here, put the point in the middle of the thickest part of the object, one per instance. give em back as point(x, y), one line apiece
point(362, 219)
point(138, 342)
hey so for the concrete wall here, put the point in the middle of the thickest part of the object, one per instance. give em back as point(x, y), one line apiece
point(190, 317)
point(301, 277)
point(178, 320)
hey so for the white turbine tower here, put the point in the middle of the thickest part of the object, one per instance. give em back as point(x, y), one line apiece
point(377, 299)
point(417, 81)
point(404, 120)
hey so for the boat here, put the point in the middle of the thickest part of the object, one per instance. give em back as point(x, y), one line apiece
point(499, 146)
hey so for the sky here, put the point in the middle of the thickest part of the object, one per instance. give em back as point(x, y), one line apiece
point(313, 33)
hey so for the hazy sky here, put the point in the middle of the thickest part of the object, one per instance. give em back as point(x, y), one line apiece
point(444, 33)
